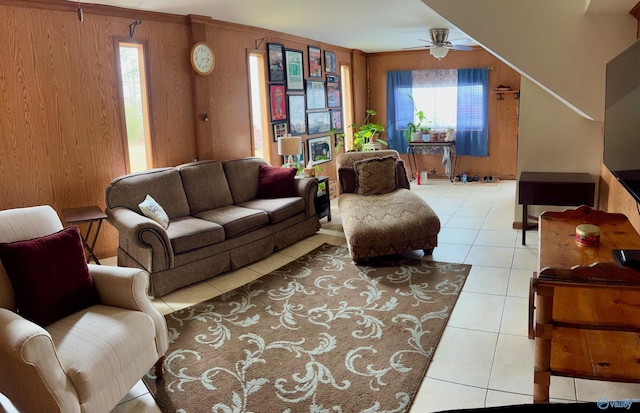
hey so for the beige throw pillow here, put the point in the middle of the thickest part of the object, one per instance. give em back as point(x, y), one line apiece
point(151, 209)
point(376, 176)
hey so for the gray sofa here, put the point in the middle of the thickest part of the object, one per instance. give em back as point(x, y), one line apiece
point(216, 221)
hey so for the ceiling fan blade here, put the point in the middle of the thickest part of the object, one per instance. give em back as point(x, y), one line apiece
point(416, 47)
point(460, 41)
point(460, 47)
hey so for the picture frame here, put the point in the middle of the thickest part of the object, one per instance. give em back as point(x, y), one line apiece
point(336, 120)
point(294, 70)
point(280, 130)
point(315, 62)
point(278, 103)
point(297, 115)
point(316, 96)
point(329, 62)
point(318, 122)
point(333, 91)
point(276, 62)
point(320, 149)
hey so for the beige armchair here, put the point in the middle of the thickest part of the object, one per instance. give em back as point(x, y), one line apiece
point(85, 362)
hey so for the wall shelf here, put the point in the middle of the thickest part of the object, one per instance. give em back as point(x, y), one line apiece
point(501, 93)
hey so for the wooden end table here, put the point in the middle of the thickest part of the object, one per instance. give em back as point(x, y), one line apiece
point(83, 215)
point(587, 308)
point(553, 188)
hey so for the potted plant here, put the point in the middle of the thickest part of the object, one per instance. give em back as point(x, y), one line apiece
point(366, 133)
point(415, 131)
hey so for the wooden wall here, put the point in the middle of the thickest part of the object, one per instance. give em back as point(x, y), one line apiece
point(503, 114)
point(61, 128)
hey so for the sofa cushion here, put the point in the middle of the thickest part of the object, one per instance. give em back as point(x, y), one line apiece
point(376, 176)
point(276, 182)
point(243, 176)
point(163, 184)
point(278, 209)
point(150, 208)
point(236, 220)
point(205, 185)
point(188, 233)
point(49, 276)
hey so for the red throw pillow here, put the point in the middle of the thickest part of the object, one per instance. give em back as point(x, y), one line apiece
point(49, 276)
point(276, 182)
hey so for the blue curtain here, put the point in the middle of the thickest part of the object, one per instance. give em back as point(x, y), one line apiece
point(399, 108)
point(472, 134)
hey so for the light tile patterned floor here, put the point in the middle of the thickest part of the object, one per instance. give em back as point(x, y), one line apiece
point(484, 357)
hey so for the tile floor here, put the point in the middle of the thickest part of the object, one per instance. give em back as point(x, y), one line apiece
point(484, 357)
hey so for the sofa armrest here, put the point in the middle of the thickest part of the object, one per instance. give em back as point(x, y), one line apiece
point(32, 376)
point(307, 188)
point(125, 287)
point(142, 238)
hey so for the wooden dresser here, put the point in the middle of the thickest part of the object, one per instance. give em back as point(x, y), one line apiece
point(587, 308)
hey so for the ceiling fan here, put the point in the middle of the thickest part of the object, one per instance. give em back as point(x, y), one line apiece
point(439, 45)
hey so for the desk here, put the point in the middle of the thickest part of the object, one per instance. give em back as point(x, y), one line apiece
point(553, 188)
point(587, 309)
point(82, 215)
point(448, 159)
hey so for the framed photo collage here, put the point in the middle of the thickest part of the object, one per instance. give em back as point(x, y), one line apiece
point(310, 107)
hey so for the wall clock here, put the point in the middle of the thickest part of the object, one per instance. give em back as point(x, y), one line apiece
point(202, 58)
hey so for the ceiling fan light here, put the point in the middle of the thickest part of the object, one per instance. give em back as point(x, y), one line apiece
point(438, 52)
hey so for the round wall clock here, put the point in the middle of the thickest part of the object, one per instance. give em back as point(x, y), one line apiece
point(202, 58)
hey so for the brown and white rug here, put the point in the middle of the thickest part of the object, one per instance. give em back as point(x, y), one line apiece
point(320, 334)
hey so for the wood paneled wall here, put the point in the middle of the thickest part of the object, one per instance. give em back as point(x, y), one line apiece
point(503, 114)
point(61, 128)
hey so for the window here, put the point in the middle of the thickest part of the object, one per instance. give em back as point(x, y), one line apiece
point(136, 107)
point(455, 98)
point(259, 112)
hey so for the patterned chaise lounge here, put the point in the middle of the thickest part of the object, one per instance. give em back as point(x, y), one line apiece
point(380, 215)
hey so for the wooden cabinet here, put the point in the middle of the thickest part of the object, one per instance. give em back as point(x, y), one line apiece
point(587, 308)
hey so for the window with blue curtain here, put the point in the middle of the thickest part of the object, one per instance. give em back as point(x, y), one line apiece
point(456, 99)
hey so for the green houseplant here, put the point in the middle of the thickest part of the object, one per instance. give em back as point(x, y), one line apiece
point(421, 126)
point(365, 133)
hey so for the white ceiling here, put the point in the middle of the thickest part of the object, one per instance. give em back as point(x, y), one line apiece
point(367, 25)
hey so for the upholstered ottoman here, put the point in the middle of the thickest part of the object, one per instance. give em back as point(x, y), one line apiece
point(382, 219)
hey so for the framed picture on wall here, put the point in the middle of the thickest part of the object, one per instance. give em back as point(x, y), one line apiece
point(278, 103)
point(318, 122)
point(315, 95)
point(329, 62)
point(333, 91)
point(297, 115)
point(276, 62)
point(280, 130)
point(320, 149)
point(294, 70)
point(315, 62)
point(336, 120)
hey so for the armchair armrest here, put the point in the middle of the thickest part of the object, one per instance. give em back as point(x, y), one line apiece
point(142, 238)
point(307, 189)
point(32, 375)
point(127, 288)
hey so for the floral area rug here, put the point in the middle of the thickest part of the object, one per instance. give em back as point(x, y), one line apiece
point(320, 334)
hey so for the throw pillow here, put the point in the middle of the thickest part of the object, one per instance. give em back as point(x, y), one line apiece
point(347, 178)
point(277, 182)
point(401, 174)
point(376, 176)
point(49, 275)
point(150, 208)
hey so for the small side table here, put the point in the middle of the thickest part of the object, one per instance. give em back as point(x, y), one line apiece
point(323, 199)
point(82, 215)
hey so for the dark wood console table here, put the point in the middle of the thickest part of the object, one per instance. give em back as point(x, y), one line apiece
point(587, 308)
point(411, 150)
point(553, 188)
